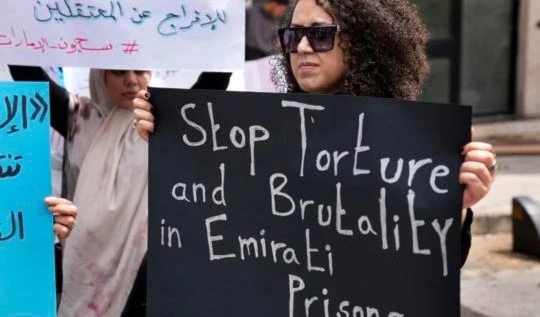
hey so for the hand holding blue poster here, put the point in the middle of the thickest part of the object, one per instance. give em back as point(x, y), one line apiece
point(27, 281)
point(297, 205)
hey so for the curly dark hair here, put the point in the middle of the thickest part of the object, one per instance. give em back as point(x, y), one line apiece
point(384, 43)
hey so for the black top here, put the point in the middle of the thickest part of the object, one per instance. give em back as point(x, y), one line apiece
point(466, 236)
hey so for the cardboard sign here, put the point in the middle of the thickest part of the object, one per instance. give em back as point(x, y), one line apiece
point(304, 205)
point(27, 280)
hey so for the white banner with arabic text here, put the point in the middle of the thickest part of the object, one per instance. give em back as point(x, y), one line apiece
point(129, 34)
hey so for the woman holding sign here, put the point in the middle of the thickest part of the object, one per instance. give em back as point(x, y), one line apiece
point(105, 174)
point(361, 48)
point(369, 48)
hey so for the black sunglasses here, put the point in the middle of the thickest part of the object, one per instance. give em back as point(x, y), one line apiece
point(320, 38)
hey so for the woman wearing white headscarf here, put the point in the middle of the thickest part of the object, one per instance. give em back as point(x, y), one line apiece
point(106, 176)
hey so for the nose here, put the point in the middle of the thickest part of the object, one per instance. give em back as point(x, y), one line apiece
point(130, 79)
point(303, 46)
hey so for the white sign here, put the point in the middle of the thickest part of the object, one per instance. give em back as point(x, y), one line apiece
point(4, 73)
point(163, 34)
point(258, 75)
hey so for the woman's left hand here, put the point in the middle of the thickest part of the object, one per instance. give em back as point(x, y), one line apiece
point(477, 171)
point(65, 213)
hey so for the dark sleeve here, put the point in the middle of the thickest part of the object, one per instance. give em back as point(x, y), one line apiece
point(466, 236)
point(59, 95)
point(213, 81)
point(136, 303)
point(58, 269)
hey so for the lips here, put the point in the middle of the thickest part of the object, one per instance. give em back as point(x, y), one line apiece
point(307, 65)
point(307, 69)
point(130, 94)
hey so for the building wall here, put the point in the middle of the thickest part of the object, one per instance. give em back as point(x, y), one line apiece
point(487, 56)
point(528, 75)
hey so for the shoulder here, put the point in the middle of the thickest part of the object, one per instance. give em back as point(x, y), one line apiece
point(85, 118)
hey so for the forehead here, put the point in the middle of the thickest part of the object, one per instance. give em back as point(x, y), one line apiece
point(307, 12)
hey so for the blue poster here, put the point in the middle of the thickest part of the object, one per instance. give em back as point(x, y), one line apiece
point(27, 281)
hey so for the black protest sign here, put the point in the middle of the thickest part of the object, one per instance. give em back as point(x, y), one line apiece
point(304, 205)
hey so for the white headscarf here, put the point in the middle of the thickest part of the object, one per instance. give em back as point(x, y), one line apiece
point(109, 162)
point(98, 91)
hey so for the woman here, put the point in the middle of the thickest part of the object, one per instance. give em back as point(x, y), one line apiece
point(105, 174)
point(368, 48)
point(362, 48)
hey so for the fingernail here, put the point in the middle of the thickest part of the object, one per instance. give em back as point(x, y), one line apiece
point(48, 199)
point(147, 95)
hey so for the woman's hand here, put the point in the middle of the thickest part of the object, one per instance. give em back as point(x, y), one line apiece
point(64, 213)
point(477, 171)
point(144, 120)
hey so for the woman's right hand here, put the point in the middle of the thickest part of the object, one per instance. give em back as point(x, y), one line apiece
point(144, 119)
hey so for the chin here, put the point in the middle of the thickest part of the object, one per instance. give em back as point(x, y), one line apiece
point(312, 89)
point(315, 88)
point(124, 102)
point(309, 87)
point(126, 105)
